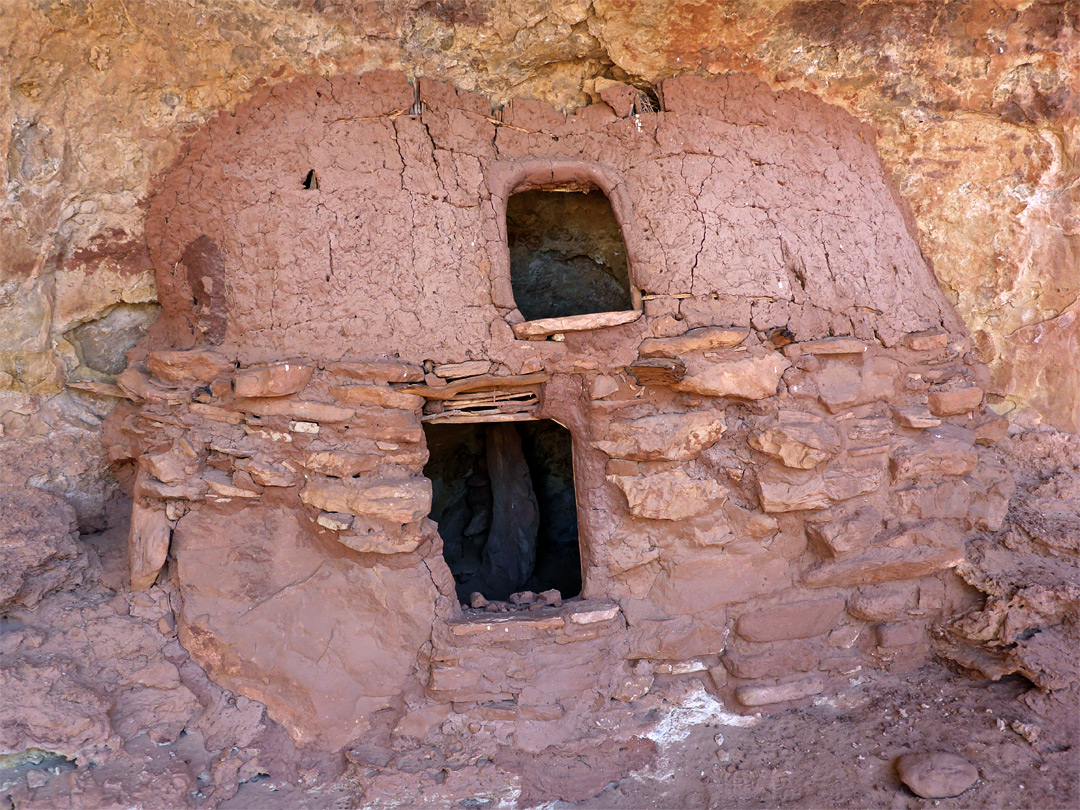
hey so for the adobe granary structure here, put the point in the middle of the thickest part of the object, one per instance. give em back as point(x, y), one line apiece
point(679, 359)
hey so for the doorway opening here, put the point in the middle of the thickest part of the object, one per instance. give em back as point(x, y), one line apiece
point(567, 254)
point(503, 496)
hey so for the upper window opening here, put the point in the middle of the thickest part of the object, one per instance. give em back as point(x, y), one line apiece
point(567, 255)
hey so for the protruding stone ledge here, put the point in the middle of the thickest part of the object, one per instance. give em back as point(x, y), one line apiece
point(573, 616)
point(700, 339)
point(485, 382)
point(469, 368)
point(546, 327)
point(916, 416)
point(299, 409)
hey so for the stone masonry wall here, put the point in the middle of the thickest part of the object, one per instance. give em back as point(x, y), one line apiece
point(777, 460)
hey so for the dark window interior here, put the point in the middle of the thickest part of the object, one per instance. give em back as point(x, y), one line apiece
point(567, 255)
point(503, 496)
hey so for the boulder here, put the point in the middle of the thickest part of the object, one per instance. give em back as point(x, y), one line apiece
point(936, 775)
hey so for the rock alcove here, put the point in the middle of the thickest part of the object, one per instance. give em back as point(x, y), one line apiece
point(770, 423)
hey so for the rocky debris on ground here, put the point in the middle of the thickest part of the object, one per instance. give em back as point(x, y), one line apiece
point(936, 775)
point(39, 548)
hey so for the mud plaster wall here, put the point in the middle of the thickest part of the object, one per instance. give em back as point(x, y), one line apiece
point(779, 507)
point(974, 103)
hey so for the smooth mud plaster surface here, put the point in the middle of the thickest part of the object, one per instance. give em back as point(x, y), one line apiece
point(789, 418)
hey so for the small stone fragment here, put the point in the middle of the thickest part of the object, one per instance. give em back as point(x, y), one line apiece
point(936, 775)
point(551, 597)
point(477, 600)
point(522, 598)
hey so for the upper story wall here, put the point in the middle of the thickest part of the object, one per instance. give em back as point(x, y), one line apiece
point(765, 208)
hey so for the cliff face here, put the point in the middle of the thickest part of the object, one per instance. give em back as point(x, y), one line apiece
point(975, 106)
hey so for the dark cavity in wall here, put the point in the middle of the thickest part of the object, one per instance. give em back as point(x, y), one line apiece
point(567, 255)
point(503, 496)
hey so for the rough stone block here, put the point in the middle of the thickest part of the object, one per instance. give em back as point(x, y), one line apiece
point(382, 396)
point(272, 380)
point(148, 544)
point(679, 436)
point(955, 401)
point(992, 432)
point(947, 500)
point(378, 372)
point(195, 365)
point(786, 490)
point(754, 374)
point(916, 416)
point(843, 535)
point(946, 450)
point(882, 565)
point(402, 500)
point(880, 603)
point(703, 338)
point(709, 579)
point(798, 656)
point(803, 619)
point(766, 694)
point(672, 495)
point(797, 439)
point(842, 385)
point(299, 409)
point(927, 341)
point(337, 464)
point(900, 634)
point(826, 346)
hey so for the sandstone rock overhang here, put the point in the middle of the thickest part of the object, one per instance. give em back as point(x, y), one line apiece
point(788, 423)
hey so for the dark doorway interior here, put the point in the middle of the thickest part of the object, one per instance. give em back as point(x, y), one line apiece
point(567, 255)
point(503, 496)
